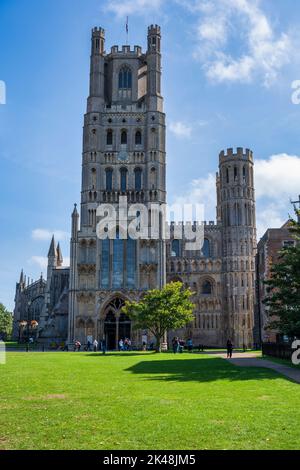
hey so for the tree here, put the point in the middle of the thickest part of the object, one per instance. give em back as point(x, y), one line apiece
point(162, 310)
point(6, 322)
point(283, 287)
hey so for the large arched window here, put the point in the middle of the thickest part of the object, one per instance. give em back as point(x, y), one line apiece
point(206, 288)
point(125, 83)
point(138, 179)
point(125, 78)
point(118, 263)
point(206, 248)
point(123, 176)
point(138, 138)
point(109, 137)
point(109, 177)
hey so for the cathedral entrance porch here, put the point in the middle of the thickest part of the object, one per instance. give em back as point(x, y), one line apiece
point(116, 324)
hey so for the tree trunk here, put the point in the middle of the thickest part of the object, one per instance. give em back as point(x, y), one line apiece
point(158, 344)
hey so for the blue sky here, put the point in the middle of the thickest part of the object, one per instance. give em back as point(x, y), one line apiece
point(228, 67)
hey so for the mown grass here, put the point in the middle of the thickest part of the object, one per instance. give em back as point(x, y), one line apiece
point(144, 401)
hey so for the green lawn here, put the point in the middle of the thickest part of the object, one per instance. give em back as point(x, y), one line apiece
point(144, 401)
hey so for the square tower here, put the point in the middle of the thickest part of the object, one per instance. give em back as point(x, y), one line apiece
point(123, 157)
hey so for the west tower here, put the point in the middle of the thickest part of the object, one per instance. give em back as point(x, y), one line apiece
point(123, 156)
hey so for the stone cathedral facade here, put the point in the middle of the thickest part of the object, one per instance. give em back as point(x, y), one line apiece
point(124, 155)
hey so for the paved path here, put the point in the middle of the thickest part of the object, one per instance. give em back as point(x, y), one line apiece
point(251, 360)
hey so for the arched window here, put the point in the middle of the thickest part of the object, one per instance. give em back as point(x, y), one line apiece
point(244, 174)
point(138, 138)
point(206, 288)
point(235, 173)
point(153, 178)
point(118, 263)
point(124, 137)
point(206, 248)
point(125, 83)
point(125, 78)
point(227, 175)
point(123, 174)
point(175, 248)
point(109, 177)
point(109, 137)
point(138, 179)
point(93, 178)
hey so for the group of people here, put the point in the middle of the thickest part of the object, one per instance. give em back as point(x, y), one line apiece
point(89, 346)
point(125, 345)
point(178, 345)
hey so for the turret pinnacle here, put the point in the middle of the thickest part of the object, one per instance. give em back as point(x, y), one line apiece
point(59, 256)
point(75, 211)
point(22, 277)
point(52, 253)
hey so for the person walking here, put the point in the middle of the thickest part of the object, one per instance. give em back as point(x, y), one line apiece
point(95, 344)
point(121, 345)
point(175, 345)
point(229, 349)
point(190, 344)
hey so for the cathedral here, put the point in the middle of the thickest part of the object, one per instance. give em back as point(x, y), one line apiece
point(124, 155)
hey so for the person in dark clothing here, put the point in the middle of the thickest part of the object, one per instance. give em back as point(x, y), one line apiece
point(175, 345)
point(103, 346)
point(229, 349)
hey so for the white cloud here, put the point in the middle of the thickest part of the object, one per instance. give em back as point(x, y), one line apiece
point(243, 22)
point(202, 191)
point(180, 129)
point(269, 216)
point(46, 235)
point(41, 261)
point(278, 177)
point(66, 262)
point(137, 7)
point(276, 182)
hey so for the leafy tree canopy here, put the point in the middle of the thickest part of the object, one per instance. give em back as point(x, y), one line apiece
point(162, 310)
point(283, 287)
point(6, 322)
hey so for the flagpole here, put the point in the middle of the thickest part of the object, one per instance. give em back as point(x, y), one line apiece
point(127, 30)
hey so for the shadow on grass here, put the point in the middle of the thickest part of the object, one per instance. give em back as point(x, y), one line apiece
point(198, 370)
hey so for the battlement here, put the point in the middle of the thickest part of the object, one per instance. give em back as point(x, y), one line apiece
point(126, 50)
point(194, 225)
point(98, 32)
point(239, 153)
point(154, 29)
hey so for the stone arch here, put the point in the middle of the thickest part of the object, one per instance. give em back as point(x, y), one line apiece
point(115, 324)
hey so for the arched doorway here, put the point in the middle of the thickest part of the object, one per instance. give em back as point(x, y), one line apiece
point(116, 324)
